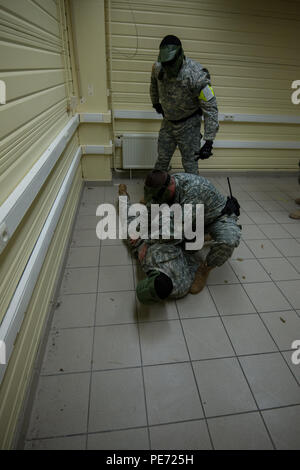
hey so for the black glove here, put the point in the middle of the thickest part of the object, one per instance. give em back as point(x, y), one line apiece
point(158, 108)
point(206, 151)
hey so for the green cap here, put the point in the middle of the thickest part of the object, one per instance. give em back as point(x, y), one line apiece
point(167, 52)
point(145, 290)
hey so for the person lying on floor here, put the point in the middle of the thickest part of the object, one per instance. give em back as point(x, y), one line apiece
point(170, 270)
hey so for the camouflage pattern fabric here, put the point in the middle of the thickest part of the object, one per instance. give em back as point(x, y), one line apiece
point(170, 259)
point(226, 233)
point(188, 138)
point(180, 98)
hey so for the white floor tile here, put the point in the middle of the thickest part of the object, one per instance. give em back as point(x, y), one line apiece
point(271, 380)
point(68, 350)
point(291, 290)
point(252, 232)
point(171, 393)
point(274, 231)
point(79, 281)
point(61, 406)
point(222, 275)
point(82, 238)
point(75, 310)
point(116, 255)
point(239, 432)
point(223, 387)
point(263, 249)
point(116, 346)
point(242, 252)
point(117, 400)
point(162, 342)
point(261, 217)
point(115, 278)
point(289, 247)
point(284, 426)
point(295, 261)
point(283, 327)
point(279, 269)
point(249, 270)
point(231, 300)
point(57, 443)
point(190, 435)
point(248, 334)
point(266, 297)
point(200, 305)
point(83, 257)
point(206, 338)
point(116, 307)
point(129, 439)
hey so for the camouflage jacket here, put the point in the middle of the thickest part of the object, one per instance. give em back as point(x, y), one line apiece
point(180, 97)
point(173, 261)
point(194, 189)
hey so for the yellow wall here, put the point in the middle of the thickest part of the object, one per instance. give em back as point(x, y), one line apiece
point(17, 378)
point(251, 49)
point(35, 65)
point(88, 24)
point(37, 84)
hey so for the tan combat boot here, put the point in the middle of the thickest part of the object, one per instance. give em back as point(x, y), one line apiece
point(297, 201)
point(200, 278)
point(207, 237)
point(142, 201)
point(123, 190)
point(295, 215)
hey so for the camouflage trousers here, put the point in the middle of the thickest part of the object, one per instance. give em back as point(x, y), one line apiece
point(226, 234)
point(187, 136)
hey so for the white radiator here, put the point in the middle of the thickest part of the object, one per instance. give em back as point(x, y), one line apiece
point(139, 150)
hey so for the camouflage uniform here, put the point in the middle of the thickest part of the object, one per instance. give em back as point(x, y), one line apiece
point(226, 233)
point(170, 259)
point(180, 98)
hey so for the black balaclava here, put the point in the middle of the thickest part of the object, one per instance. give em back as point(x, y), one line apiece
point(171, 55)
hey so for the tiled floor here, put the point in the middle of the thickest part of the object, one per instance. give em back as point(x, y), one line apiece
point(207, 371)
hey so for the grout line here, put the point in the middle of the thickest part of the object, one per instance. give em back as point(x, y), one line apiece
point(195, 380)
point(237, 358)
point(169, 319)
point(141, 359)
point(161, 424)
point(169, 363)
point(275, 353)
point(92, 356)
point(246, 379)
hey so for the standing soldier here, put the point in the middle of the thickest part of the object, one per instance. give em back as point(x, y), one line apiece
point(181, 91)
